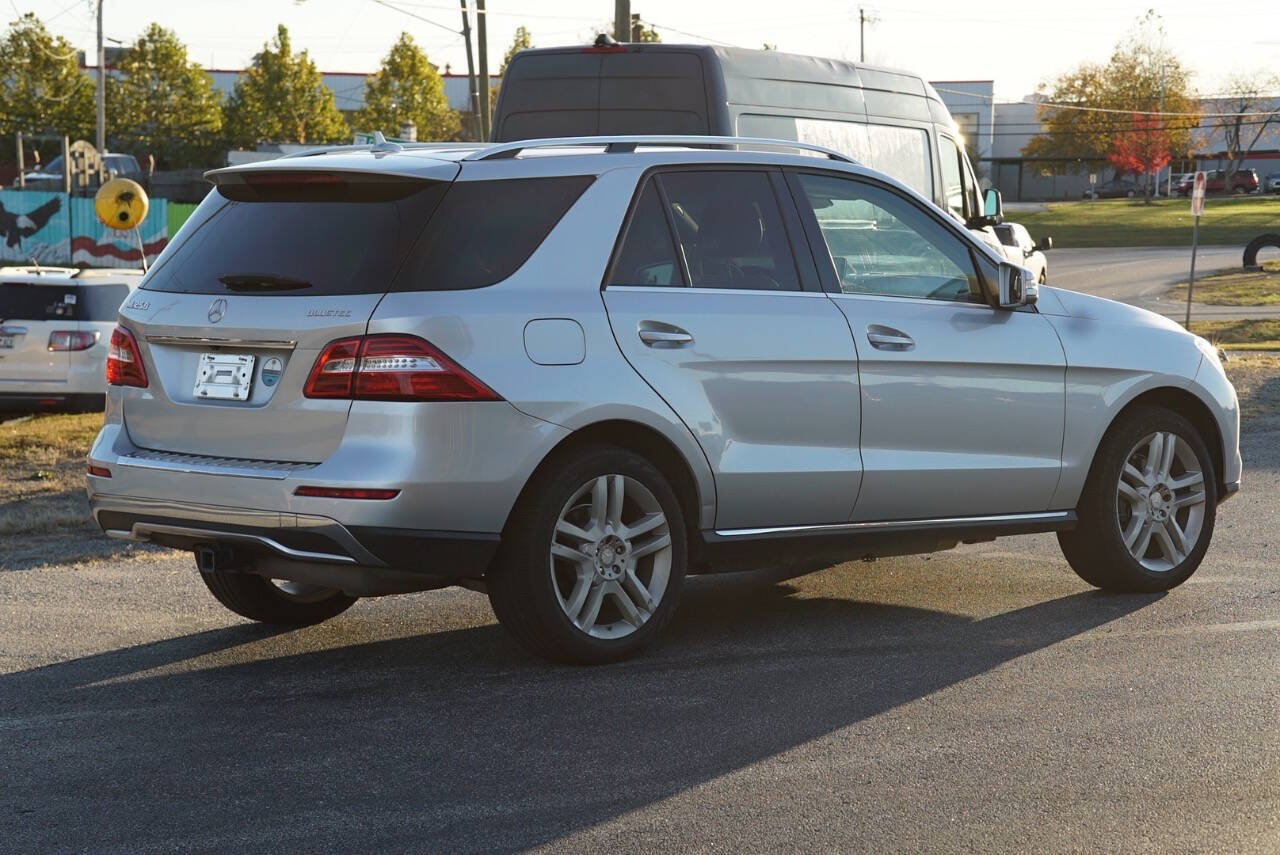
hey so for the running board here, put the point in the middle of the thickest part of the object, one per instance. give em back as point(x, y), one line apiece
point(734, 549)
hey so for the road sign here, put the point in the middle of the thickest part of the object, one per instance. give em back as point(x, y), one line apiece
point(1197, 195)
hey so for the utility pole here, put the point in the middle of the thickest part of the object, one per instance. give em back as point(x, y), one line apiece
point(102, 87)
point(471, 71)
point(1169, 188)
point(482, 43)
point(862, 34)
point(622, 20)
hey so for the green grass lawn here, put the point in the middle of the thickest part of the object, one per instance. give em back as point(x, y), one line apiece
point(1236, 287)
point(1261, 334)
point(1166, 222)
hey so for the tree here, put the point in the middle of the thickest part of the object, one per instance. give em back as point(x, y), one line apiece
point(521, 41)
point(280, 98)
point(1087, 108)
point(1245, 111)
point(42, 88)
point(640, 32)
point(407, 88)
point(1142, 148)
point(162, 103)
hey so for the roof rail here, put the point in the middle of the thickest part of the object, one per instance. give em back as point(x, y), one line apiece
point(628, 144)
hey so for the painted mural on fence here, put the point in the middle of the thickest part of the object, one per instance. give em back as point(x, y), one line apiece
point(54, 229)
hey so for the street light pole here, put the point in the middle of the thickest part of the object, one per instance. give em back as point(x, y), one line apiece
point(102, 87)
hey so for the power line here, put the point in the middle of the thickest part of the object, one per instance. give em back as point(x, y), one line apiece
point(417, 16)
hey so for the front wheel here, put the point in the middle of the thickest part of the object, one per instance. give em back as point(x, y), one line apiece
point(1147, 512)
point(593, 559)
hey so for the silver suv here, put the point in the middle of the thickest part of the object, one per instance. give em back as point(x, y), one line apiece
point(571, 372)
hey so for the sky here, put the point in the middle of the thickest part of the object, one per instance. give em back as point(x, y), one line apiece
point(1018, 45)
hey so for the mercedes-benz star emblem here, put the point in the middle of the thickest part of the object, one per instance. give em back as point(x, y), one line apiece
point(218, 310)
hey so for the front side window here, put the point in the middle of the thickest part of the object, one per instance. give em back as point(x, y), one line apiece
point(730, 230)
point(883, 243)
point(952, 177)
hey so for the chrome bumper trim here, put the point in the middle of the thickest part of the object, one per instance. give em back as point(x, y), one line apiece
point(217, 515)
point(889, 525)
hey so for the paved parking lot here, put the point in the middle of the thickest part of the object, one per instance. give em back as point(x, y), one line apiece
point(974, 700)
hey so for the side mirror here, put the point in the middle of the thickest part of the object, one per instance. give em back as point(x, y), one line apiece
point(1044, 244)
point(1017, 287)
point(992, 205)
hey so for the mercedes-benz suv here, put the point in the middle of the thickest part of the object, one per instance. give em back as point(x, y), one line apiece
point(572, 372)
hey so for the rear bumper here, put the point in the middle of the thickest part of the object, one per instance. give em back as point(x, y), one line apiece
point(274, 539)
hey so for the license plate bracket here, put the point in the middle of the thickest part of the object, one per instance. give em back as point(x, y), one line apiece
point(224, 376)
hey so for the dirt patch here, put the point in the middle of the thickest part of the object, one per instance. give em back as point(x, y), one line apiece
point(42, 471)
point(1256, 377)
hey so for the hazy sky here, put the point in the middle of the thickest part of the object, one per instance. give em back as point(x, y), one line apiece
point(1018, 44)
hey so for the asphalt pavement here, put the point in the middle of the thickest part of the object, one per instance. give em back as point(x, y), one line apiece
point(1142, 276)
point(982, 699)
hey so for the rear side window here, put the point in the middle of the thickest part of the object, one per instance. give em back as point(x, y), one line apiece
point(730, 230)
point(310, 239)
point(484, 231)
point(648, 255)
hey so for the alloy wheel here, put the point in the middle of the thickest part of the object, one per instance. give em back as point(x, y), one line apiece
point(610, 556)
point(1160, 501)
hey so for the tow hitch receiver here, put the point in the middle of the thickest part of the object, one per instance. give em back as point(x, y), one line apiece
point(220, 557)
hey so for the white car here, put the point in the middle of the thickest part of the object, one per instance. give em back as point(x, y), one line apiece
point(55, 327)
point(1018, 247)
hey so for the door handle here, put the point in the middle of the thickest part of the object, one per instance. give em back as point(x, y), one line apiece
point(888, 338)
point(655, 334)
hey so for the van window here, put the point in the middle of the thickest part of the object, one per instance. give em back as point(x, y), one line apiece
point(730, 228)
point(952, 182)
point(884, 243)
point(31, 301)
point(648, 254)
point(899, 152)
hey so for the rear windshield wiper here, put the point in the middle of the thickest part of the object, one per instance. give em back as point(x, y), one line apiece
point(261, 282)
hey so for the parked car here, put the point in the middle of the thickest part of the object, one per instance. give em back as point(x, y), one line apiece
point(49, 176)
point(1022, 250)
point(1273, 182)
point(1116, 188)
point(572, 379)
point(1243, 181)
point(55, 324)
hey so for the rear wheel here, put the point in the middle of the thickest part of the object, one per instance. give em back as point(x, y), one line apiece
point(1147, 511)
point(593, 559)
point(275, 601)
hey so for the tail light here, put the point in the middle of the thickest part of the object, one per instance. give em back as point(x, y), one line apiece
point(72, 339)
point(124, 360)
point(391, 367)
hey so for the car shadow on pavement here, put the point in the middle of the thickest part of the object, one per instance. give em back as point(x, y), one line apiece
point(454, 741)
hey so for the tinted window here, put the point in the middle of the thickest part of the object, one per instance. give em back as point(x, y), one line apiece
point(883, 243)
point(730, 230)
point(484, 231)
point(648, 255)
point(29, 301)
point(952, 183)
point(102, 302)
point(340, 238)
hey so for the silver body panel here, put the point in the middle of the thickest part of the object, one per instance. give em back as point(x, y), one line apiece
point(781, 410)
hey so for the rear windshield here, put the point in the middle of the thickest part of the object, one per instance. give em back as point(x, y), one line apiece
point(31, 301)
point(314, 241)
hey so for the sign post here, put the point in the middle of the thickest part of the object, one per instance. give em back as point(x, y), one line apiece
point(1197, 208)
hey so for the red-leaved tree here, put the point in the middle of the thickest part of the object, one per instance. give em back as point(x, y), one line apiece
point(1142, 148)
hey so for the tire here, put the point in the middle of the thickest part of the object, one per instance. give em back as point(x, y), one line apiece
point(1257, 245)
point(1096, 549)
point(260, 599)
point(595, 564)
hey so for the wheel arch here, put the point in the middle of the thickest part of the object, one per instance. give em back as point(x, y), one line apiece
point(649, 443)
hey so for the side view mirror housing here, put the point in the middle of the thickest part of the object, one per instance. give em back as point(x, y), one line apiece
point(1044, 244)
point(1017, 287)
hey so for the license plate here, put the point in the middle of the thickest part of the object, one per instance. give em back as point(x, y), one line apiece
point(6, 342)
point(224, 376)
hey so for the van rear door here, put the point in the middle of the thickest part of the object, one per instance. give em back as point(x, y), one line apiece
point(273, 266)
point(29, 312)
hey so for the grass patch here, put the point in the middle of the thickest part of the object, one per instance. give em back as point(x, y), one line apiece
point(1256, 377)
point(42, 464)
point(1236, 287)
point(1260, 334)
point(1165, 222)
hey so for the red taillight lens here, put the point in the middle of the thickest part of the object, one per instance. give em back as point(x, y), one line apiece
point(346, 493)
point(124, 360)
point(72, 339)
point(334, 370)
point(392, 367)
